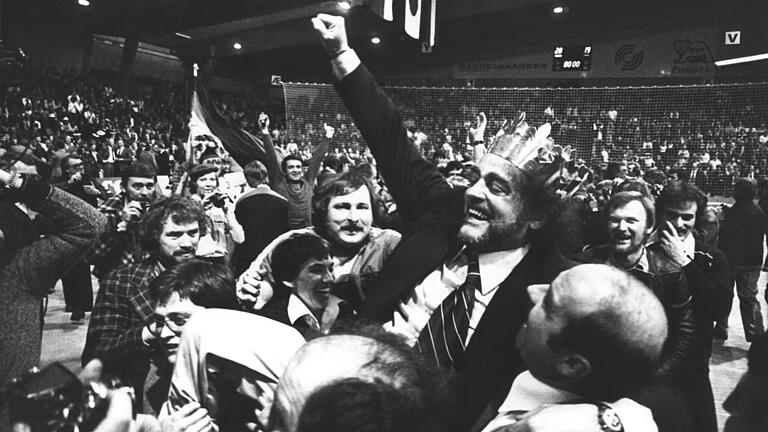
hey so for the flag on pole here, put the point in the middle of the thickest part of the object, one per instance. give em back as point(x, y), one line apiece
point(207, 124)
point(418, 17)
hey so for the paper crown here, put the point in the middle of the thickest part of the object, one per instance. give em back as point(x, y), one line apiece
point(530, 149)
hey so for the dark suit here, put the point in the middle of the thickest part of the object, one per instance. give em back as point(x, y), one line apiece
point(264, 216)
point(709, 279)
point(432, 212)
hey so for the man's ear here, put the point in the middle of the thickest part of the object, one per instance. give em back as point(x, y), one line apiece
point(535, 224)
point(574, 366)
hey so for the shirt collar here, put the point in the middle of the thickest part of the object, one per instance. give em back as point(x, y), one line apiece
point(689, 245)
point(642, 263)
point(529, 393)
point(297, 309)
point(496, 266)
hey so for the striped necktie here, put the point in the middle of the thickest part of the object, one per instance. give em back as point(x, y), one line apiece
point(442, 340)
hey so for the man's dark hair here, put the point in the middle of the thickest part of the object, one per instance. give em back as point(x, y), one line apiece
point(255, 173)
point(139, 169)
point(678, 193)
point(539, 204)
point(338, 185)
point(402, 393)
point(333, 162)
point(206, 284)
point(744, 190)
point(284, 162)
point(181, 211)
point(291, 253)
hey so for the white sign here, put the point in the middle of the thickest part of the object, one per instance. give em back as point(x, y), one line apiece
point(733, 38)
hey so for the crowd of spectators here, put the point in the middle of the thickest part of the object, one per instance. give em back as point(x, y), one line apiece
point(709, 135)
point(627, 201)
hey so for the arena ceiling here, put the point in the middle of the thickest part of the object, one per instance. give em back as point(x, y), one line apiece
point(275, 35)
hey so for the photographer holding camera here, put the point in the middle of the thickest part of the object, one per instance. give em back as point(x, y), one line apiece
point(31, 263)
point(120, 244)
point(224, 230)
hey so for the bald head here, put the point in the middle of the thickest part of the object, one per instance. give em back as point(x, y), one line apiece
point(595, 330)
point(636, 314)
point(383, 371)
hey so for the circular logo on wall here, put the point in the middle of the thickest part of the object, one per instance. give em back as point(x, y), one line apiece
point(628, 57)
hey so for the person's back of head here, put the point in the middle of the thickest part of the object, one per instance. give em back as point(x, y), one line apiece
point(744, 190)
point(609, 333)
point(255, 173)
point(371, 381)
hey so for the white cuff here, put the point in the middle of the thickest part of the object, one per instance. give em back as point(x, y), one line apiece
point(634, 417)
point(345, 64)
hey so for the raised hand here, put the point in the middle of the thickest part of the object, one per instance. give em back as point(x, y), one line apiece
point(329, 130)
point(332, 32)
point(478, 133)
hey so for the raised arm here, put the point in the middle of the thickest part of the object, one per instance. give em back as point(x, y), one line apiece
point(415, 184)
point(319, 154)
point(273, 165)
point(73, 226)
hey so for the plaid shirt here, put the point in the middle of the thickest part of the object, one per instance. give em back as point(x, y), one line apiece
point(115, 248)
point(122, 307)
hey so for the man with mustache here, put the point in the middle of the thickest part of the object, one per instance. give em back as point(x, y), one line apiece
point(117, 334)
point(342, 214)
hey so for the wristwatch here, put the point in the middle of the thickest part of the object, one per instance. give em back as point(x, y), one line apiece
point(10, 182)
point(608, 419)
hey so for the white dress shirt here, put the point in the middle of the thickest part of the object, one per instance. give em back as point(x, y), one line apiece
point(528, 393)
point(412, 315)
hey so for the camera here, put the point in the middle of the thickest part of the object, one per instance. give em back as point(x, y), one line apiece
point(54, 399)
point(218, 199)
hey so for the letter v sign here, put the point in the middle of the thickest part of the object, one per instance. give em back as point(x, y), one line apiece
point(733, 38)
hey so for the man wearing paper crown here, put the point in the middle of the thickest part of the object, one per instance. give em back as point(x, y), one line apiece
point(467, 255)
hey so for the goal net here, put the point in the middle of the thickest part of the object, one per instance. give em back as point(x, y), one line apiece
point(718, 130)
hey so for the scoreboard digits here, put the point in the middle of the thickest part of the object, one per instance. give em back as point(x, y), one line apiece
point(572, 58)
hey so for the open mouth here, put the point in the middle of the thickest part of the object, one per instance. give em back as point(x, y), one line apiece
point(477, 214)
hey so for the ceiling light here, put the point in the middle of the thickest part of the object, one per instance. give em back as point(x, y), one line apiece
point(375, 40)
point(182, 35)
point(84, 2)
point(237, 46)
point(344, 5)
point(558, 10)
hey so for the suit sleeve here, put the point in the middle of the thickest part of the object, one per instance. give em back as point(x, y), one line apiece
point(415, 184)
point(273, 165)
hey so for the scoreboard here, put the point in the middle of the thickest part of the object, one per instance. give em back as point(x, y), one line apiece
point(572, 58)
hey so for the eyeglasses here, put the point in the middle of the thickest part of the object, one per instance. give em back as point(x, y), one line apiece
point(175, 322)
point(213, 161)
point(75, 166)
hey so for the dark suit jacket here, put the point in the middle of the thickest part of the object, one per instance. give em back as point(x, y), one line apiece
point(709, 279)
point(264, 216)
point(432, 212)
